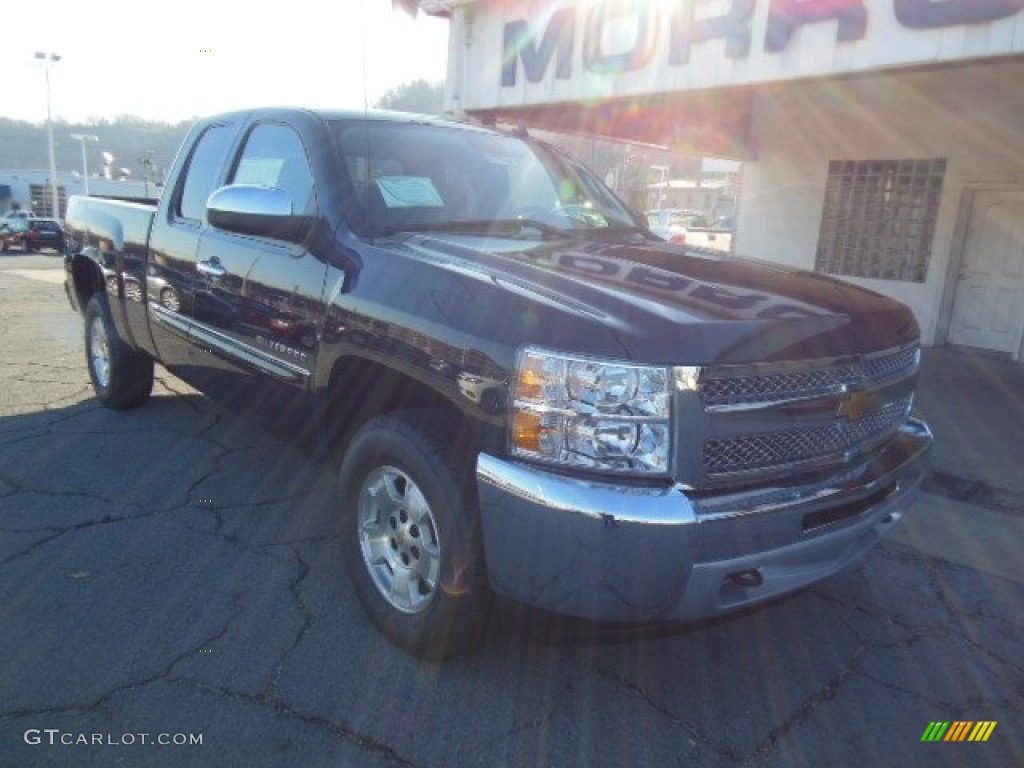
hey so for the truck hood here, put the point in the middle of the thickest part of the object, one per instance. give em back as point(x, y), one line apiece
point(659, 302)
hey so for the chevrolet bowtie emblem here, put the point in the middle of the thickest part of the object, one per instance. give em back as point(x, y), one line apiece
point(856, 405)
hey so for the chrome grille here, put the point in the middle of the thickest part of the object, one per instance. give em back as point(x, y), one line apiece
point(883, 367)
point(831, 379)
point(768, 420)
point(795, 446)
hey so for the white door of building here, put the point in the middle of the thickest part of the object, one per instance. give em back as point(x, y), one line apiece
point(988, 308)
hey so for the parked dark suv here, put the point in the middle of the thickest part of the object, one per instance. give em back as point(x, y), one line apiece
point(32, 234)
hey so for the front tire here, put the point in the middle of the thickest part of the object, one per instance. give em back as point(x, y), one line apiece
point(121, 377)
point(411, 537)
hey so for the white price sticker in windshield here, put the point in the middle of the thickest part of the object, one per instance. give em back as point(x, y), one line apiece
point(408, 192)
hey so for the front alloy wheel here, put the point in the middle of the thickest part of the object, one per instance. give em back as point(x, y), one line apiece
point(411, 536)
point(398, 539)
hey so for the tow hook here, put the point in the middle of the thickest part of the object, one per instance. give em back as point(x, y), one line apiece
point(749, 578)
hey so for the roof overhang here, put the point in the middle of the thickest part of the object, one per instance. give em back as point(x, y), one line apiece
point(696, 123)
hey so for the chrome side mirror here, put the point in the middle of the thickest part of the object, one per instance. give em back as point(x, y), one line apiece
point(250, 209)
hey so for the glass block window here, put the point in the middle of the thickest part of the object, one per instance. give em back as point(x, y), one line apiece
point(879, 218)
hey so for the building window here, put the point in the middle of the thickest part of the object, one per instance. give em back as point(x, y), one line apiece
point(42, 201)
point(879, 218)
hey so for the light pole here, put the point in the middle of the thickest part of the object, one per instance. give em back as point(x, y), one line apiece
point(84, 137)
point(47, 60)
point(663, 171)
point(146, 161)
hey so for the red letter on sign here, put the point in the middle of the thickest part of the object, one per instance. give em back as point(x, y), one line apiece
point(926, 14)
point(786, 15)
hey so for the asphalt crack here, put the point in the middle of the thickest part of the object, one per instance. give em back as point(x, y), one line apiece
point(343, 734)
point(162, 675)
point(694, 734)
point(308, 619)
point(827, 692)
point(60, 531)
point(973, 492)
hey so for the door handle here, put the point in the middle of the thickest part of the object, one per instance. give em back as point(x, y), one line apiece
point(212, 268)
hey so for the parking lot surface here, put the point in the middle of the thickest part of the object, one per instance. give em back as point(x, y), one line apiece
point(172, 593)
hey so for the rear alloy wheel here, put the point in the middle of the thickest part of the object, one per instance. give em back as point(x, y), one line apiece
point(411, 536)
point(122, 377)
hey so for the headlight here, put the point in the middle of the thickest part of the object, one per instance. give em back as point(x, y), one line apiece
point(584, 412)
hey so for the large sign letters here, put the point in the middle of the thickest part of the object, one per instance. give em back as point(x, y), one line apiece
point(623, 35)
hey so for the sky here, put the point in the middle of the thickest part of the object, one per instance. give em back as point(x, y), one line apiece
point(174, 61)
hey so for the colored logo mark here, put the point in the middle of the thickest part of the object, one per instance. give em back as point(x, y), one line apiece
point(960, 730)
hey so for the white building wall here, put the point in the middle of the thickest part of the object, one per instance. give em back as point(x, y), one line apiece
point(970, 115)
point(21, 181)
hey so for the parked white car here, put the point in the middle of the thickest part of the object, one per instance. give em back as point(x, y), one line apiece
point(688, 227)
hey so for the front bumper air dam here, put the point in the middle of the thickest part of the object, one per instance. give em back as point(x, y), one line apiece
point(632, 553)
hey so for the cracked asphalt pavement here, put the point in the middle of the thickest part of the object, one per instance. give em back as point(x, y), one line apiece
point(175, 571)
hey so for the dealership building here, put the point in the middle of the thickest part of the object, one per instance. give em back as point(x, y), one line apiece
point(882, 140)
point(32, 191)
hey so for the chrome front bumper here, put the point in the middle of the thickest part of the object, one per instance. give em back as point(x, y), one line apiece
point(625, 553)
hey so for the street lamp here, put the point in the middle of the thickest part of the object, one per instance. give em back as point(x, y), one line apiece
point(146, 161)
point(84, 137)
point(47, 60)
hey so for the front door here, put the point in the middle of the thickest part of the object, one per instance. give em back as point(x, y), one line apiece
point(988, 308)
point(260, 309)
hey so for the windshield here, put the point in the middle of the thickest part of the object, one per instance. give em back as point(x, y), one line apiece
point(416, 176)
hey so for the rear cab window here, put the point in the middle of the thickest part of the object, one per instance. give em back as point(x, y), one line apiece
point(203, 173)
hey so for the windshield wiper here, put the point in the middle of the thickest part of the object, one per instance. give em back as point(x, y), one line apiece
point(505, 227)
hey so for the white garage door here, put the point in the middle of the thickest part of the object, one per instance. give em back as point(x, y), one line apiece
point(988, 309)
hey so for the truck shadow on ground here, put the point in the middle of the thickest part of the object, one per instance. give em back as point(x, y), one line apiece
point(238, 474)
point(178, 553)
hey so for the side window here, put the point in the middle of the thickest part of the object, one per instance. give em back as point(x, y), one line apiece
point(274, 157)
point(203, 166)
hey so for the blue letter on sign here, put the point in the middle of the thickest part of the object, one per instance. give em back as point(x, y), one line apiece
point(520, 43)
point(786, 15)
point(734, 26)
point(926, 14)
point(645, 22)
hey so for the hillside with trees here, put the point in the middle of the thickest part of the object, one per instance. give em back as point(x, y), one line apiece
point(417, 96)
point(146, 148)
point(135, 141)
point(131, 140)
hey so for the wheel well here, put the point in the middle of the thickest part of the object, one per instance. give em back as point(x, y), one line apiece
point(360, 390)
point(87, 279)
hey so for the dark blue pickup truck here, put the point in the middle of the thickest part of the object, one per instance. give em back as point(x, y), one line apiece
point(526, 392)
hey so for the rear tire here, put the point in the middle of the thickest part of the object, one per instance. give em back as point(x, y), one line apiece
point(121, 377)
point(410, 536)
